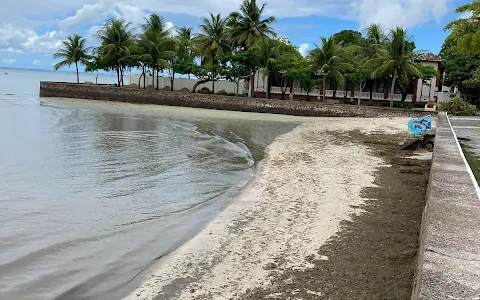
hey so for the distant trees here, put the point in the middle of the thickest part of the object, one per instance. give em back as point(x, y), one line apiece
point(237, 46)
point(73, 51)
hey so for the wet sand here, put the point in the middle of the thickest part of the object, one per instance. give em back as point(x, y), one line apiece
point(316, 186)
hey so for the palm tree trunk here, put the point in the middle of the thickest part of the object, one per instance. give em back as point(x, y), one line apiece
point(118, 75)
point(360, 94)
point(122, 70)
point(267, 90)
point(158, 71)
point(144, 78)
point(238, 85)
point(78, 78)
point(393, 87)
point(324, 83)
point(252, 84)
point(213, 83)
point(172, 79)
point(293, 90)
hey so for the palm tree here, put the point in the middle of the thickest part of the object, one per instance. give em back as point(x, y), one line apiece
point(156, 23)
point(73, 51)
point(184, 33)
point(327, 62)
point(156, 51)
point(375, 35)
point(212, 43)
point(396, 59)
point(158, 44)
point(267, 52)
point(116, 37)
point(247, 25)
point(185, 51)
point(308, 84)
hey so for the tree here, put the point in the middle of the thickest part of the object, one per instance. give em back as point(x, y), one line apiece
point(404, 83)
point(116, 38)
point(375, 40)
point(94, 65)
point(156, 24)
point(460, 68)
point(348, 38)
point(248, 27)
point(212, 43)
point(286, 63)
point(327, 62)
point(185, 51)
point(308, 83)
point(73, 51)
point(460, 50)
point(466, 30)
point(396, 59)
point(299, 69)
point(267, 53)
point(238, 65)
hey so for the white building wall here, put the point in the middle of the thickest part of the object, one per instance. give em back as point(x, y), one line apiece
point(428, 89)
point(180, 83)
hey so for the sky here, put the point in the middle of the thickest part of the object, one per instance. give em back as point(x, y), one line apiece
point(32, 30)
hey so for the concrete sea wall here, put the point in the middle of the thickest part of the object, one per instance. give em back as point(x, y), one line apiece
point(287, 107)
point(449, 258)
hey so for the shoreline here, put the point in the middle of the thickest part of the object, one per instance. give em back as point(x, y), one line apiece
point(296, 203)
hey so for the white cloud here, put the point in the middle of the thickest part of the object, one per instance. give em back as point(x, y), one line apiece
point(303, 49)
point(406, 13)
point(85, 15)
point(21, 40)
point(15, 36)
point(9, 61)
point(36, 62)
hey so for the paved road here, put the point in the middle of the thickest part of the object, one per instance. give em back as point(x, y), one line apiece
point(468, 131)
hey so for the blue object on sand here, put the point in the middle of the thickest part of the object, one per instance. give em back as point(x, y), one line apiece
point(419, 125)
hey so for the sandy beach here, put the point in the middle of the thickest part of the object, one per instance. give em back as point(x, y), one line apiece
point(310, 182)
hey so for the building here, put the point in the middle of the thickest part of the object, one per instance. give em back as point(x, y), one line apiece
point(379, 94)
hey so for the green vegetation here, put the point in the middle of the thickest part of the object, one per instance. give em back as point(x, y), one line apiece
point(73, 51)
point(461, 51)
point(473, 161)
point(235, 47)
point(457, 107)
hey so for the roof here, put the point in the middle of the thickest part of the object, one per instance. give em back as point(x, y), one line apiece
point(428, 57)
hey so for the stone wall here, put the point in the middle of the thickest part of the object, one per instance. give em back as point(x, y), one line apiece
point(287, 107)
point(449, 255)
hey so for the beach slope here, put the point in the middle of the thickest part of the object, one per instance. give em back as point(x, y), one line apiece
point(310, 181)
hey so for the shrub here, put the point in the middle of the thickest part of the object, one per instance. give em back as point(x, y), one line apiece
point(205, 90)
point(419, 105)
point(457, 107)
point(430, 104)
point(400, 104)
point(222, 93)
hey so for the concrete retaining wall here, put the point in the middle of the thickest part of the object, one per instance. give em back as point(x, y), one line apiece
point(449, 260)
point(141, 96)
point(182, 83)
